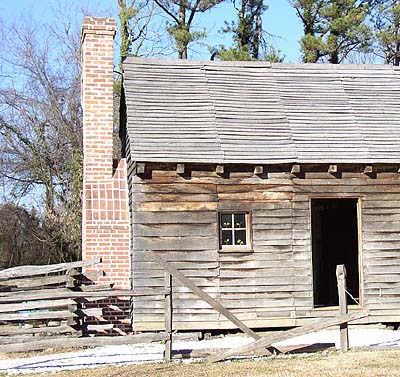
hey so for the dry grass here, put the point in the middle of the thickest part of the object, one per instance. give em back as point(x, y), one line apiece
point(365, 363)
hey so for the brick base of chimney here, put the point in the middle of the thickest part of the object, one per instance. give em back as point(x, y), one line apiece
point(106, 235)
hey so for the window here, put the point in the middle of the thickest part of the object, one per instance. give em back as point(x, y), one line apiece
point(234, 230)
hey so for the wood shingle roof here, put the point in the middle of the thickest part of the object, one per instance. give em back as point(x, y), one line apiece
point(262, 113)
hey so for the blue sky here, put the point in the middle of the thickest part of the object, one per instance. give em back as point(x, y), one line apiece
point(280, 20)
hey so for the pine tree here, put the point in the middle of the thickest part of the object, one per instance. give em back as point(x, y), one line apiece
point(333, 29)
point(387, 31)
point(248, 35)
point(182, 14)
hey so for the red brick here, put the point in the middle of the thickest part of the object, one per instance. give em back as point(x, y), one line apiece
point(106, 232)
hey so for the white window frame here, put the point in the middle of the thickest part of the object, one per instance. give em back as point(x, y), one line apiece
point(247, 228)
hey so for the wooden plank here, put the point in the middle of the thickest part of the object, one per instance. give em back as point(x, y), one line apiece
point(204, 296)
point(175, 207)
point(176, 243)
point(82, 342)
point(168, 316)
point(24, 271)
point(343, 310)
point(11, 330)
point(96, 287)
point(175, 197)
point(167, 217)
point(314, 326)
point(36, 282)
point(173, 230)
point(30, 337)
point(66, 293)
point(189, 187)
point(40, 315)
point(5, 308)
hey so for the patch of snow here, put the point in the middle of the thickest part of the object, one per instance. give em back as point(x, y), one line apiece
point(357, 338)
point(145, 353)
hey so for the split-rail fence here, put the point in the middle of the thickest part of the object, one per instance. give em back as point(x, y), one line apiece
point(47, 306)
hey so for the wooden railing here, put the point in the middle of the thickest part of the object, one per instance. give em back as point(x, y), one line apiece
point(45, 307)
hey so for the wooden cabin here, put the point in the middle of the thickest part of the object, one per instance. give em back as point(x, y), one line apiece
point(256, 180)
point(253, 179)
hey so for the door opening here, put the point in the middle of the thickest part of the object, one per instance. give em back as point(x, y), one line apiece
point(334, 228)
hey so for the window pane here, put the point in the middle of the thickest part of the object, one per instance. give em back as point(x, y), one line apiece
point(240, 237)
point(226, 237)
point(240, 220)
point(226, 220)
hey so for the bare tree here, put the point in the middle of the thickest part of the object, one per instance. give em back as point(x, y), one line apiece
point(40, 126)
point(23, 240)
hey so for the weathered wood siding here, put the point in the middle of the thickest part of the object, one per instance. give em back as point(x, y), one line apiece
point(272, 285)
point(380, 234)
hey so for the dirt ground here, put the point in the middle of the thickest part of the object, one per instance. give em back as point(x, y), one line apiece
point(360, 363)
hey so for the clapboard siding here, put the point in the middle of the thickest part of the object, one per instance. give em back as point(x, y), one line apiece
point(272, 284)
point(380, 235)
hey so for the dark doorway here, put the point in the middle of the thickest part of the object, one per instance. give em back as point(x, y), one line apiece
point(334, 227)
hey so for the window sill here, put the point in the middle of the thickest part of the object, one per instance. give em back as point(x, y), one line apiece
point(235, 250)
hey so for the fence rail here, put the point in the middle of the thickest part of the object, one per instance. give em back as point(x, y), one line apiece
point(45, 306)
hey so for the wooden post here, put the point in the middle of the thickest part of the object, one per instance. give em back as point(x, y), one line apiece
point(344, 330)
point(168, 317)
point(74, 322)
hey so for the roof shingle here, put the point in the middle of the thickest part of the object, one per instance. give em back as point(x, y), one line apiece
point(262, 113)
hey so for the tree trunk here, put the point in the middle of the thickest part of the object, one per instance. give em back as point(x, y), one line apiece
point(257, 33)
point(396, 32)
point(182, 53)
point(334, 58)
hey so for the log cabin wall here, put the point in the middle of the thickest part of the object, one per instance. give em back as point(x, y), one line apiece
point(237, 117)
point(271, 285)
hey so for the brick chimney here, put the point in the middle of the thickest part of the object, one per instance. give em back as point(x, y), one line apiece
point(105, 218)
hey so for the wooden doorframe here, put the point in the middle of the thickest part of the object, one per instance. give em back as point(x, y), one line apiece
point(360, 252)
point(360, 244)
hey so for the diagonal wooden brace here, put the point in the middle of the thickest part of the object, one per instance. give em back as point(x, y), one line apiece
point(200, 293)
point(317, 325)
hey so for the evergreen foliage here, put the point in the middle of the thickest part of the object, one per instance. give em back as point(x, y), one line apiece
point(248, 35)
point(387, 31)
point(181, 14)
point(333, 29)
